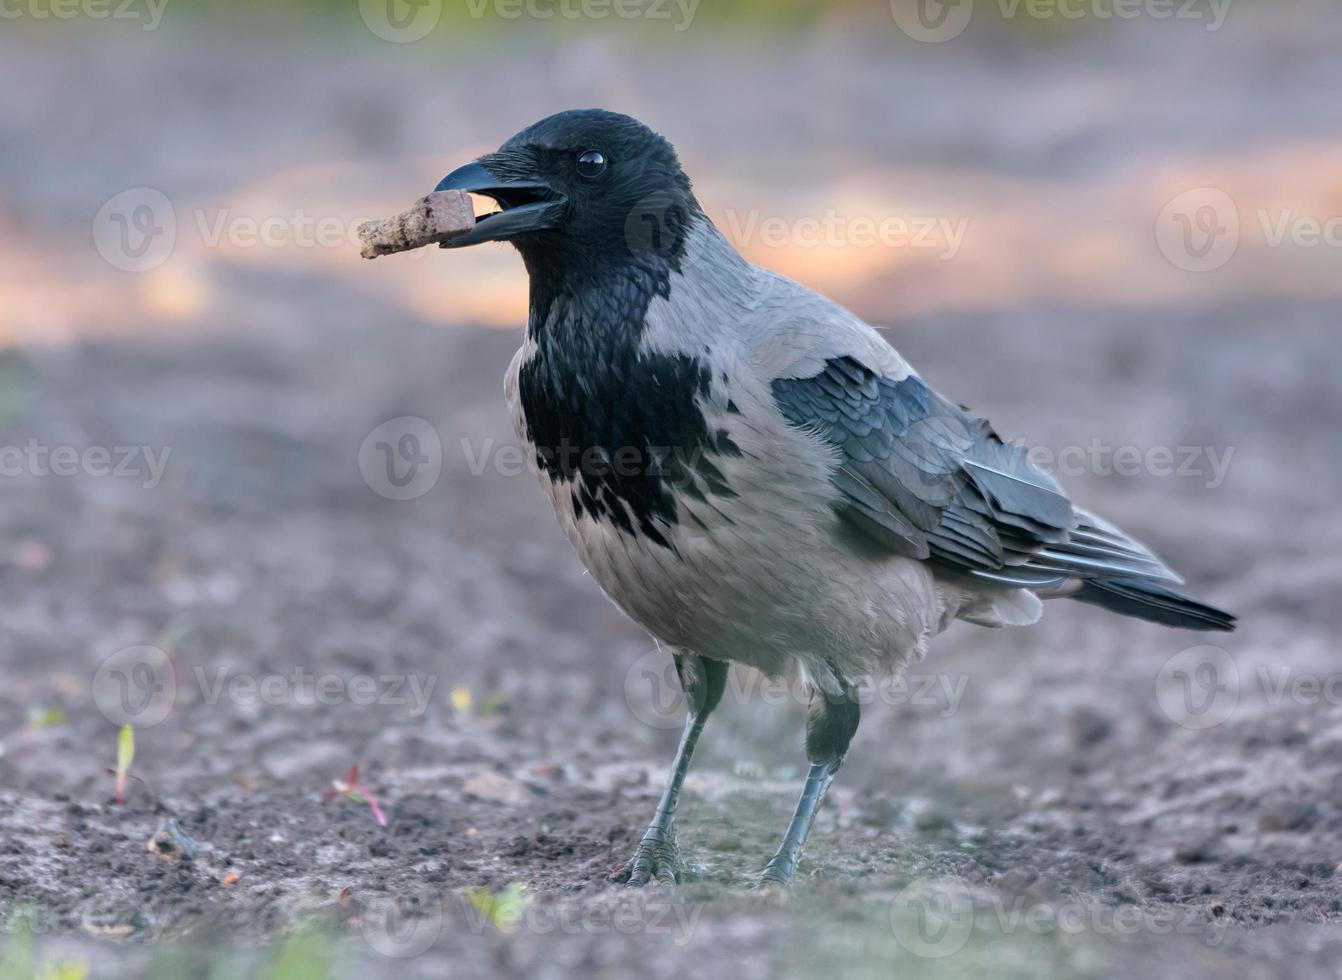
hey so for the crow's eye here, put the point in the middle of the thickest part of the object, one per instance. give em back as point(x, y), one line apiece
point(591, 163)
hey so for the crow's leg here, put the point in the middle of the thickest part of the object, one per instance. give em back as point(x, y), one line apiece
point(830, 725)
point(658, 854)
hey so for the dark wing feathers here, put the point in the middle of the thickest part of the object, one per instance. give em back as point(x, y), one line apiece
point(1152, 601)
point(877, 516)
point(924, 478)
point(890, 478)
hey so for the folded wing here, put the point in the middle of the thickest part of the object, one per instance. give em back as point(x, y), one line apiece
point(921, 477)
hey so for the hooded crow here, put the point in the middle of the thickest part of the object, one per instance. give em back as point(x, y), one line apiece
point(752, 473)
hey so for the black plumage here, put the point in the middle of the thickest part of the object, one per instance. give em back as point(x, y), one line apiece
point(624, 459)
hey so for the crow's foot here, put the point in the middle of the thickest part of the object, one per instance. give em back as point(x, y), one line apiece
point(776, 878)
point(657, 858)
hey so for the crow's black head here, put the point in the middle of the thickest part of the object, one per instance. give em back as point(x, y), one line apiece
point(581, 191)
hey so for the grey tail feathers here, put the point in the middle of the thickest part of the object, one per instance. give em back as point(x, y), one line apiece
point(1155, 602)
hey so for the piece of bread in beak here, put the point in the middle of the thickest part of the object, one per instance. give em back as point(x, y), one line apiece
point(434, 219)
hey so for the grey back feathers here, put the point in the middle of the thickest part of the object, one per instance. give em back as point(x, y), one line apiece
point(916, 474)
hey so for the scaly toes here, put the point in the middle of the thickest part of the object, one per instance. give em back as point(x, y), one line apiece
point(657, 858)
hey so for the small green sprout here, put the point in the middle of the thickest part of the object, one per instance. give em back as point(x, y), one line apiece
point(40, 717)
point(125, 755)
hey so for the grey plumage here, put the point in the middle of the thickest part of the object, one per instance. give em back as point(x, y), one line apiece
point(824, 510)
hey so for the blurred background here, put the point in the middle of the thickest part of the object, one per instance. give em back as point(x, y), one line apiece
point(257, 502)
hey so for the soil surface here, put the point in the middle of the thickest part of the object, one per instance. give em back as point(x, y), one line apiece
point(312, 623)
point(1093, 796)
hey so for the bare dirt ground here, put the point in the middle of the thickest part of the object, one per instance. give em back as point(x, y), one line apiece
point(1053, 784)
point(1079, 799)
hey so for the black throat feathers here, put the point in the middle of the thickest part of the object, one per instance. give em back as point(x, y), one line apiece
point(622, 426)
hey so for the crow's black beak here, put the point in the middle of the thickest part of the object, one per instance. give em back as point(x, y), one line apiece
point(526, 205)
